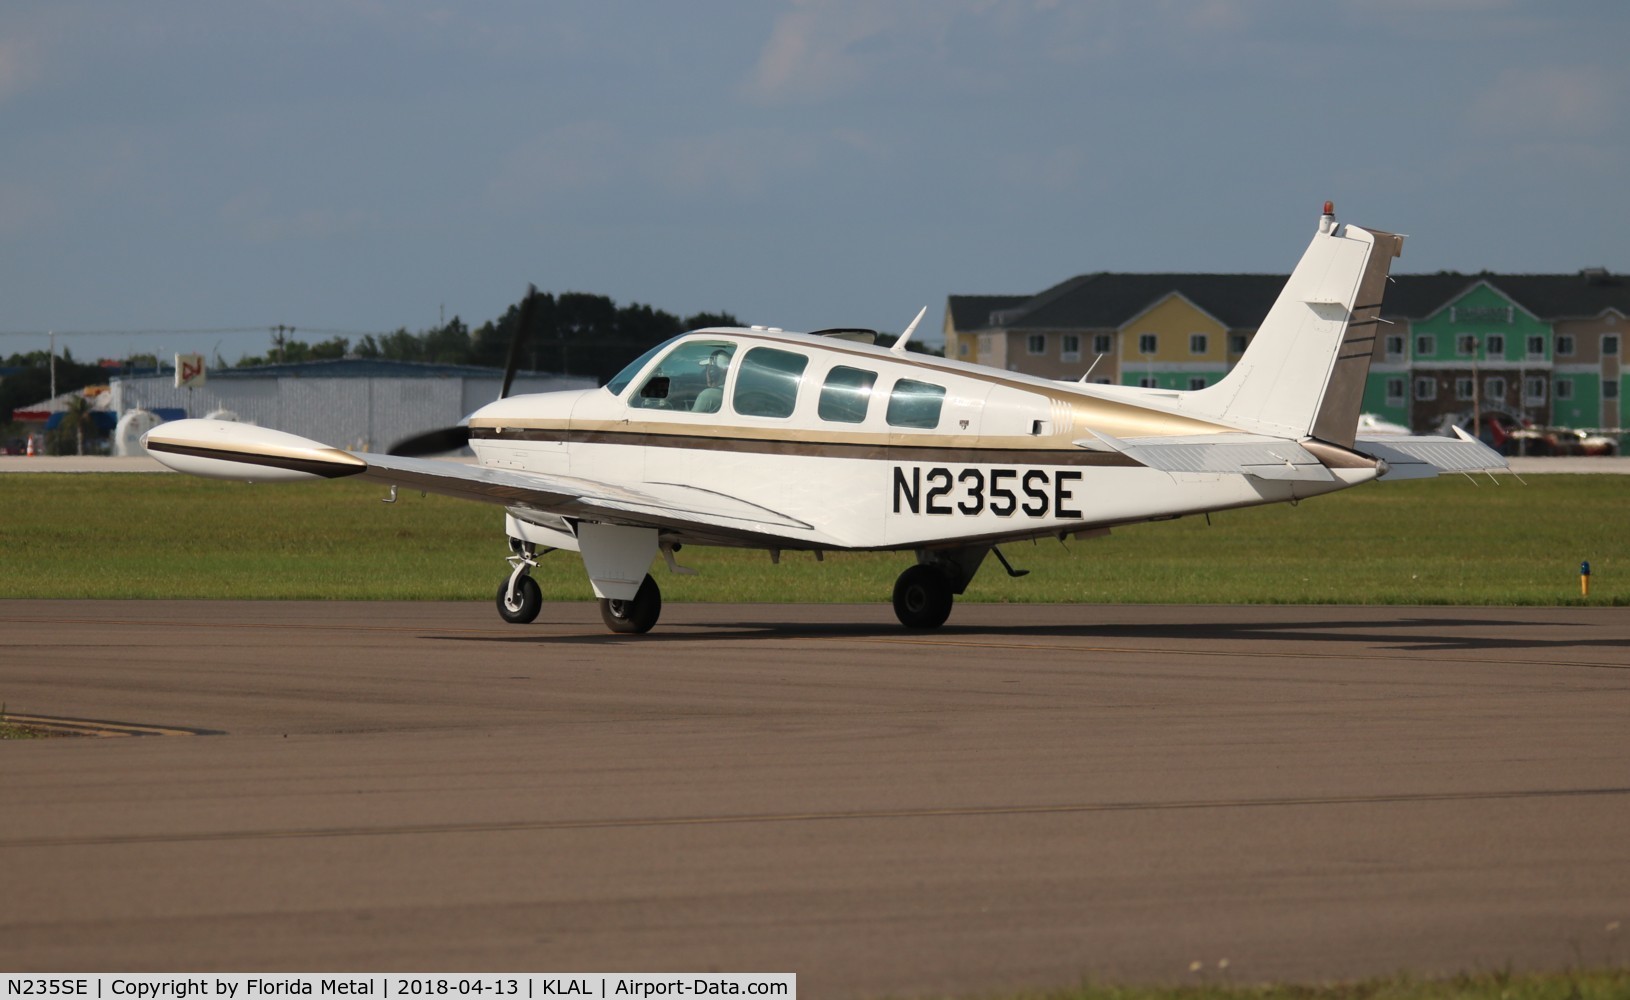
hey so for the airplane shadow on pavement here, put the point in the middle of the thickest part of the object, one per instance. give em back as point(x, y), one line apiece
point(1416, 634)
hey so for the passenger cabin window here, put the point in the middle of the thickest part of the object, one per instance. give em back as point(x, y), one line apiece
point(690, 377)
point(915, 404)
point(846, 395)
point(767, 382)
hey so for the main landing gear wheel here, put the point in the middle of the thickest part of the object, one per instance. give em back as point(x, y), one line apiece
point(523, 608)
point(922, 597)
point(637, 615)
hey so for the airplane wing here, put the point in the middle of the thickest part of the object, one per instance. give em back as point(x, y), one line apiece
point(225, 450)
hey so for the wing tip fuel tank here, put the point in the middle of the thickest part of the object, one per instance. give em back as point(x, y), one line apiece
point(220, 449)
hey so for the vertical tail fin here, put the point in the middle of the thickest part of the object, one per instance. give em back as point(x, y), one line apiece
point(1304, 373)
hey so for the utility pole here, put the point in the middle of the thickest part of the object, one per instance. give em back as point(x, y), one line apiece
point(53, 364)
point(279, 339)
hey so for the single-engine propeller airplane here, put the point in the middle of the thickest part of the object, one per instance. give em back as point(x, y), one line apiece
point(765, 439)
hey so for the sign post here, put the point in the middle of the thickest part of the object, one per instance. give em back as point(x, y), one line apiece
point(189, 372)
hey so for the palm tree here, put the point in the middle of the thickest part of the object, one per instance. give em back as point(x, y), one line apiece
point(77, 416)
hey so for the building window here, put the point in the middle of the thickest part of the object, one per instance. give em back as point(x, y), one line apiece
point(1237, 343)
point(1395, 347)
point(1536, 346)
point(1072, 347)
point(1395, 391)
point(1102, 343)
point(1426, 345)
point(1148, 382)
point(1564, 388)
point(962, 349)
point(1148, 343)
point(1610, 388)
point(1196, 382)
point(1466, 345)
point(1426, 389)
point(1036, 343)
point(1463, 389)
point(1610, 343)
point(1496, 345)
point(1533, 390)
point(1494, 388)
point(1198, 343)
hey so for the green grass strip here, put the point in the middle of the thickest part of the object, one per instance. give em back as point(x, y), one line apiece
point(1609, 984)
point(1443, 541)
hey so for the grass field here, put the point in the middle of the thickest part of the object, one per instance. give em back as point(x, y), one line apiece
point(1444, 541)
point(1598, 985)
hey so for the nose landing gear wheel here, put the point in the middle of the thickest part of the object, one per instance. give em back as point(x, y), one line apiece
point(922, 598)
point(637, 615)
point(528, 601)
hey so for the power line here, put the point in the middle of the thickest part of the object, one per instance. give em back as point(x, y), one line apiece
point(200, 331)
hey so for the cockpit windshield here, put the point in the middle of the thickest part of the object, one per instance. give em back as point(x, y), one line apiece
point(620, 381)
point(690, 377)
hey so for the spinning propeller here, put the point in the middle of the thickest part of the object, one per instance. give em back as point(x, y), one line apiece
point(445, 439)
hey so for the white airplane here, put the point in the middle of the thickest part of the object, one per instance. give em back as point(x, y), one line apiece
point(759, 438)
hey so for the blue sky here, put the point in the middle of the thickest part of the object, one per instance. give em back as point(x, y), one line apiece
point(351, 165)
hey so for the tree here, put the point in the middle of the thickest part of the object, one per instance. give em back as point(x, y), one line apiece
point(33, 383)
point(449, 345)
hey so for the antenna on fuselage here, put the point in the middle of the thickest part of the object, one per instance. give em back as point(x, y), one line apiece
point(1090, 368)
point(899, 346)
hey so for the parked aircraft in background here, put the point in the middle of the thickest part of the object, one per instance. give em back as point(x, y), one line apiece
point(765, 439)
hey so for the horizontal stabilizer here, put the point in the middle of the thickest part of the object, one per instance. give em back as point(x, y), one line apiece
point(1255, 455)
point(1427, 456)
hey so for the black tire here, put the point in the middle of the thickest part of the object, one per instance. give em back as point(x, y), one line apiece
point(922, 598)
point(528, 601)
point(636, 616)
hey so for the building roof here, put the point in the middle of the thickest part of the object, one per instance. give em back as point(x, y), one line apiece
point(1107, 300)
point(973, 312)
point(355, 368)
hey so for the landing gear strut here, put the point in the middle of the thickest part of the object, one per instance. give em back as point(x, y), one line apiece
point(519, 597)
point(637, 615)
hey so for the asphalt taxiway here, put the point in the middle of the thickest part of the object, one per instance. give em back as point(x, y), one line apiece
point(1032, 795)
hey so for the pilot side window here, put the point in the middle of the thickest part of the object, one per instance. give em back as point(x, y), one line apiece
point(689, 377)
point(767, 382)
point(915, 404)
point(846, 394)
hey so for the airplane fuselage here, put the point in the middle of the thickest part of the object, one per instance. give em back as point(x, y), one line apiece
point(869, 449)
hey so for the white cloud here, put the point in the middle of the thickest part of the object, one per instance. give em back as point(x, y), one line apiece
point(255, 217)
point(571, 159)
point(19, 66)
point(818, 49)
point(1552, 101)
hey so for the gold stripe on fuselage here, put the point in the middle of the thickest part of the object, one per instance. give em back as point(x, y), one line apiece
point(879, 447)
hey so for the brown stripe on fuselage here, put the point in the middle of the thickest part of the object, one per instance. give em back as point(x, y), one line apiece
point(865, 450)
